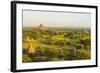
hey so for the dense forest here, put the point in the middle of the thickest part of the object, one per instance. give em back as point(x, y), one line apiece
point(55, 44)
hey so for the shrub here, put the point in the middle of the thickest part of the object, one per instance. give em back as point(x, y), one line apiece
point(26, 58)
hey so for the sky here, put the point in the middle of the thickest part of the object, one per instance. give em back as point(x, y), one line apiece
point(56, 19)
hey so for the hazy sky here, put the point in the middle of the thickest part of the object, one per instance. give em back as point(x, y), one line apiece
point(56, 19)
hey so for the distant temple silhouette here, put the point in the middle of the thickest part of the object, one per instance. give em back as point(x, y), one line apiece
point(42, 27)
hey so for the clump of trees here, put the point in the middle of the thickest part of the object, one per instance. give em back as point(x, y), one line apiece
point(58, 45)
point(55, 54)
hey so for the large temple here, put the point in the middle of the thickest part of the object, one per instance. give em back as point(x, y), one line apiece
point(42, 27)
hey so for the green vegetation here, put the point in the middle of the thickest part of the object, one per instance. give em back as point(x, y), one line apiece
point(56, 44)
